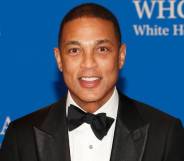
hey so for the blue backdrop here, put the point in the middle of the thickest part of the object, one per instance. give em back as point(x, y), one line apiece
point(153, 73)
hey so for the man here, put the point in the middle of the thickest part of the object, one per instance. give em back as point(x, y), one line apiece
point(94, 122)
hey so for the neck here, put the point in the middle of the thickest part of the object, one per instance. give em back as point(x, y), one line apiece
point(92, 106)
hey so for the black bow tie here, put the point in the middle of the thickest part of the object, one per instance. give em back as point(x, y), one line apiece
point(100, 123)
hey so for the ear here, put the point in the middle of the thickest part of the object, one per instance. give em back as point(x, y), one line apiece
point(58, 58)
point(122, 54)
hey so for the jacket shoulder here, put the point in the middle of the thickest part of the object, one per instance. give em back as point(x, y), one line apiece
point(34, 118)
point(147, 112)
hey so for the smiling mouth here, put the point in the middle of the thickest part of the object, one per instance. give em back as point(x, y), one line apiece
point(89, 81)
point(89, 78)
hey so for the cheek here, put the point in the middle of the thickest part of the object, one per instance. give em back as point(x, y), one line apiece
point(70, 69)
point(109, 66)
point(109, 69)
point(70, 65)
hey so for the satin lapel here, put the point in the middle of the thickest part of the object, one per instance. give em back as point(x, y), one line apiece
point(130, 134)
point(52, 136)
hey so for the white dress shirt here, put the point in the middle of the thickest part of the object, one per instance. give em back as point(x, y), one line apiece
point(84, 145)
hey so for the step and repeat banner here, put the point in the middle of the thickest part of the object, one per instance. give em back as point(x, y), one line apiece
point(153, 31)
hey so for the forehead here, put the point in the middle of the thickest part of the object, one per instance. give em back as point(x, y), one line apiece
point(88, 29)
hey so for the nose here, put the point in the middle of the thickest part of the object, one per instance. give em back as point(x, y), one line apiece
point(88, 60)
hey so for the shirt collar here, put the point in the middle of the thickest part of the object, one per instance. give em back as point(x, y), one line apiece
point(110, 107)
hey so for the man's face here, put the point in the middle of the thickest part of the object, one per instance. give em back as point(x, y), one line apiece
point(90, 59)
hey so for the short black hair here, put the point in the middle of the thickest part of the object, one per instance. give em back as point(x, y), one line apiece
point(90, 10)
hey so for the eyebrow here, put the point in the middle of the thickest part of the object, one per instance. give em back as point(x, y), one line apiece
point(73, 42)
point(97, 42)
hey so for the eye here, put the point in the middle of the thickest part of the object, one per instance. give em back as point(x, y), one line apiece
point(103, 49)
point(73, 51)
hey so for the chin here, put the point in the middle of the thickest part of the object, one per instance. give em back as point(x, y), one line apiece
point(91, 96)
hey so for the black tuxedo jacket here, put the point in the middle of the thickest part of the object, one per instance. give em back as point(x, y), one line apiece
point(141, 134)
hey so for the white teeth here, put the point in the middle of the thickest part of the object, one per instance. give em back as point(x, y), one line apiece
point(90, 78)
